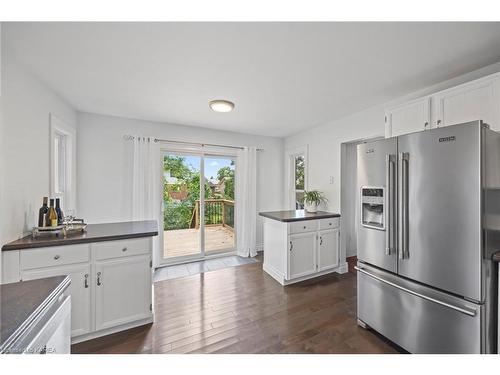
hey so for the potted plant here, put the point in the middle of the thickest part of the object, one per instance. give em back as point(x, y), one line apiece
point(312, 199)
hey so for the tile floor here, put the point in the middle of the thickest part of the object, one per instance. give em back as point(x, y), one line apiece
point(193, 268)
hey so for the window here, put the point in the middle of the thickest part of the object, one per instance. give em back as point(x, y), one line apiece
point(297, 177)
point(62, 163)
point(299, 172)
point(59, 164)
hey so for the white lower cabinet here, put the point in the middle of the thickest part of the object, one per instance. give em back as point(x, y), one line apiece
point(313, 252)
point(123, 291)
point(302, 258)
point(328, 249)
point(111, 282)
point(79, 289)
point(301, 250)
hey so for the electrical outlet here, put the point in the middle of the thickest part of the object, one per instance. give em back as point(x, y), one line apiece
point(331, 180)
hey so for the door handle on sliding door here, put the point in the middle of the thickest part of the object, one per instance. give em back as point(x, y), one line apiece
point(389, 202)
point(403, 206)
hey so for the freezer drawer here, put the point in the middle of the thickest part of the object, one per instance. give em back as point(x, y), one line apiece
point(417, 318)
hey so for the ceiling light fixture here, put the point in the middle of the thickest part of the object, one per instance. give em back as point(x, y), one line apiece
point(220, 105)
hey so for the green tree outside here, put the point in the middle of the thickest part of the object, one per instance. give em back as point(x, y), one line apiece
point(178, 213)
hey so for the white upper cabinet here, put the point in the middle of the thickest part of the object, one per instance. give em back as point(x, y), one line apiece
point(408, 118)
point(476, 100)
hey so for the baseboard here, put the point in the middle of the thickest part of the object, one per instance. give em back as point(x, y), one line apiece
point(281, 278)
point(314, 275)
point(271, 271)
point(343, 268)
point(109, 331)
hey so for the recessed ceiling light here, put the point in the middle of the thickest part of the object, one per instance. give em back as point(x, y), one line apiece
point(221, 105)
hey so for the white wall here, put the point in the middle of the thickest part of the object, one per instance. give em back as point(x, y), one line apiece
point(26, 105)
point(324, 141)
point(105, 164)
point(2, 161)
point(349, 198)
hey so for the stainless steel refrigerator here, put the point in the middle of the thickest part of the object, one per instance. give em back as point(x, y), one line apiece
point(429, 221)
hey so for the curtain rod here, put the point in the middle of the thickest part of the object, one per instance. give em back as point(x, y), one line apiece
point(131, 137)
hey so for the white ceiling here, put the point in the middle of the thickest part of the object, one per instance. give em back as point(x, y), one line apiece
point(283, 77)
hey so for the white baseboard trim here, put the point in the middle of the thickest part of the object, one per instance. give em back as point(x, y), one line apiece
point(281, 278)
point(271, 271)
point(343, 268)
point(312, 276)
point(109, 331)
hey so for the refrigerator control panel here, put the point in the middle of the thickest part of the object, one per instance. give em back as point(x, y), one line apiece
point(372, 207)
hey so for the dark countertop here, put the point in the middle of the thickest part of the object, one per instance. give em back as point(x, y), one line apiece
point(22, 302)
point(297, 215)
point(94, 233)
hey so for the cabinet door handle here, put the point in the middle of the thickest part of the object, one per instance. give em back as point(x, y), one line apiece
point(439, 122)
point(291, 245)
point(321, 240)
point(56, 257)
point(99, 279)
point(86, 282)
point(124, 249)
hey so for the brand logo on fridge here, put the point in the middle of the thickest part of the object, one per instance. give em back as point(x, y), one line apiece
point(447, 139)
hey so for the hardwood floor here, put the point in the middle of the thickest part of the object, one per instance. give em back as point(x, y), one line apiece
point(243, 310)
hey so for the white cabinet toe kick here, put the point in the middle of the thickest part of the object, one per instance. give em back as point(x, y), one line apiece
point(300, 250)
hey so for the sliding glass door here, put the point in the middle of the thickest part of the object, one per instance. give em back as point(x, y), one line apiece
point(181, 200)
point(219, 205)
point(198, 206)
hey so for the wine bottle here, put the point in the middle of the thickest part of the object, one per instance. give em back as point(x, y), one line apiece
point(42, 213)
point(59, 211)
point(52, 214)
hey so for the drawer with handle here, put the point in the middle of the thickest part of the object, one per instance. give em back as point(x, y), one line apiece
point(54, 256)
point(121, 248)
point(330, 223)
point(303, 226)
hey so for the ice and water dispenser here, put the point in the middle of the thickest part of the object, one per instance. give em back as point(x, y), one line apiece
point(372, 207)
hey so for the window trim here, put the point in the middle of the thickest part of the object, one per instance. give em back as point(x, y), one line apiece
point(57, 128)
point(290, 190)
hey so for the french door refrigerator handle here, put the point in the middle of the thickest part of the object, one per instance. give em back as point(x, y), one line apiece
point(462, 309)
point(403, 250)
point(389, 184)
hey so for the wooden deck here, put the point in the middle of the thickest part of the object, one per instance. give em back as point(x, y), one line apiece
point(183, 242)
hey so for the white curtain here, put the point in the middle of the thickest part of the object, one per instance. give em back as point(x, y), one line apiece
point(146, 180)
point(246, 205)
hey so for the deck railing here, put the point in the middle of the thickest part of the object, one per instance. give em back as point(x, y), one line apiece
point(217, 212)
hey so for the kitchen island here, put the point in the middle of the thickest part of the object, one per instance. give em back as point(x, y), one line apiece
point(35, 316)
point(110, 267)
point(299, 245)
